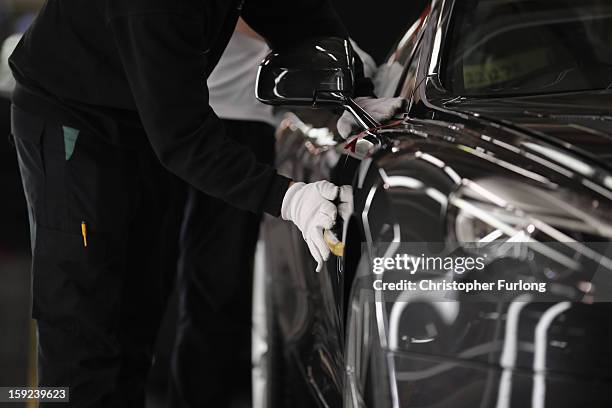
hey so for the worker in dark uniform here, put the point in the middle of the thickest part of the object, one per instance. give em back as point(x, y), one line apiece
point(110, 104)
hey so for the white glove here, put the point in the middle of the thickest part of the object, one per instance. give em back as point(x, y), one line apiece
point(345, 208)
point(310, 208)
point(380, 109)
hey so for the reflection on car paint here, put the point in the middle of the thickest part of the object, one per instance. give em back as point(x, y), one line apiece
point(460, 169)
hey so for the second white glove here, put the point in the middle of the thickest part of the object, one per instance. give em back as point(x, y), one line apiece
point(345, 207)
point(380, 109)
point(310, 208)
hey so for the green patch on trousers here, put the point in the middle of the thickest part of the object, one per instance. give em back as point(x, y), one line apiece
point(70, 137)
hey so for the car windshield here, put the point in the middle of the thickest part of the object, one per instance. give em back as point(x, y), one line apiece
point(528, 47)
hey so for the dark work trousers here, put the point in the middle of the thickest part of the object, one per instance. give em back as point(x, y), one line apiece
point(211, 359)
point(98, 304)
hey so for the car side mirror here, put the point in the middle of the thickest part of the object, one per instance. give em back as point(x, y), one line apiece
point(314, 73)
point(318, 73)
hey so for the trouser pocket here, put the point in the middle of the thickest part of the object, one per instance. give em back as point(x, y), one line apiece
point(70, 176)
point(97, 305)
point(78, 200)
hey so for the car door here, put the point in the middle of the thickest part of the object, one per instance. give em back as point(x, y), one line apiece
point(304, 303)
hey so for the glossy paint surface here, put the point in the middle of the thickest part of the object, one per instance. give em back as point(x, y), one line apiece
point(540, 165)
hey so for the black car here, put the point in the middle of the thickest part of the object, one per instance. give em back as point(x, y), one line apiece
point(505, 147)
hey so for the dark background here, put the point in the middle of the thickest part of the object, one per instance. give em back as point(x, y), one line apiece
point(378, 25)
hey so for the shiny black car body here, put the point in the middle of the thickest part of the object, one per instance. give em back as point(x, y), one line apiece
point(452, 168)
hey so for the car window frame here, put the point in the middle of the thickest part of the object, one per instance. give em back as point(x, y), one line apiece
point(403, 82)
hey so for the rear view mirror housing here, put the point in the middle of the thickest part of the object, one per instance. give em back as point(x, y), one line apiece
point(318, 72)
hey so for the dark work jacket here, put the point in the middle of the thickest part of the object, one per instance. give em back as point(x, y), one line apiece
point(133, 71)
